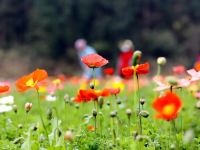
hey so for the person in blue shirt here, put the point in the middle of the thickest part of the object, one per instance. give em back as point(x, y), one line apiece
point(84, 49)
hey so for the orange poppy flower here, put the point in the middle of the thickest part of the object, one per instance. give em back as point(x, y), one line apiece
point(167, 106)
point(109, 71)
point(88, 95)
point(139, 69)
point(4, 87)
point(31, 80)
point(94, 60)
point(115, 91)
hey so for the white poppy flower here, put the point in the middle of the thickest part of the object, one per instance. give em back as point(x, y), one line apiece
point(5, 108)
point(9, 100)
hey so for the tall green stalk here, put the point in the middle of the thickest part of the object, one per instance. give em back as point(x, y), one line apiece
point(40, 113)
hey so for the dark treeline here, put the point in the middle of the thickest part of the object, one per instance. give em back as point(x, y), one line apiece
point(49, 27)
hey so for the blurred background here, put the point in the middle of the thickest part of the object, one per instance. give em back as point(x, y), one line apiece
point(41, 33)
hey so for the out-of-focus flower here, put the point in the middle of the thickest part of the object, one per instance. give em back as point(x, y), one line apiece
point(31, 80)
point(138, 69)
point(167, 106)
point(109, 71)
point(197, 95)
point(51, 98)
point(88, 95)
point(7, 100)
point(117, 83)
point(163, 85)
point(5, 108)
point(197, 66)
point(54, 86)
point(91, 128)
point(195, 75)
point(4, 87)
point(114, 91)
point(94, 60)
point(178, 69)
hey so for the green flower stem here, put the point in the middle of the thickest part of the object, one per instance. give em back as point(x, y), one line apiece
point(94, 76)
point(56, 112)
point(159, 70)
point(113, 130)
point(174, 129)
point(139, 107)
point(40, 113)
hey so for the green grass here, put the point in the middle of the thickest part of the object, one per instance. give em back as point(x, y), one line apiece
point(18, 132)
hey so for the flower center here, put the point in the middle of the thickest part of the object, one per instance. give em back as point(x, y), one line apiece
point(169, 109)
point(31, 83)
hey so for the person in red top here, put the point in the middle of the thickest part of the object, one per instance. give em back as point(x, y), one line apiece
point(125, 56)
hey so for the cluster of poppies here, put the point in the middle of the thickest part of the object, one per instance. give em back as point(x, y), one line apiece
point(167, 105)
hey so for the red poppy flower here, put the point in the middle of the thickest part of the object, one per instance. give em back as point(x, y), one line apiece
point(31, 80)
point(109, 71)
point(94, 60)
point(115, 91)
point(139, 69)
point(88, 95)
point(4, 87)
point(167, 106)
point(178, 69)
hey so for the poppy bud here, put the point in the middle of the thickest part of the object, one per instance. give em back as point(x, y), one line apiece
point(108, 103)
point(189, 136)
point(128, 112)
point(41, 138)
point(100, 101)
point(15, 108)
point(49, 114)
point(161, 61)
point(59, 132)
point(20, 126)
point(68, 136)
point(91, 85)
point(119, 101)
point(66, 97)
point(71, 100)
point(172, 146)
point(136, 57)
point(142, 101)
point(172, 80)
point(113, 114)
point(142, 138)
point(34, 127)
point(94, 112)
point(77, 106)
point(135, 134)
point(28, 107)
point(198, 105)
point(144, 113)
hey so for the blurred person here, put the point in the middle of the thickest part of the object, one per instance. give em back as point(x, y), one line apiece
point(125, 56)
point(84, 49)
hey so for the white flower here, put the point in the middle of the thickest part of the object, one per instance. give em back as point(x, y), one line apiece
point(9, 100)
point(5, 108)
point(51, 98)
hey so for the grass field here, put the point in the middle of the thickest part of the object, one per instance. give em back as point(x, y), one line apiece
point(23, 130)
